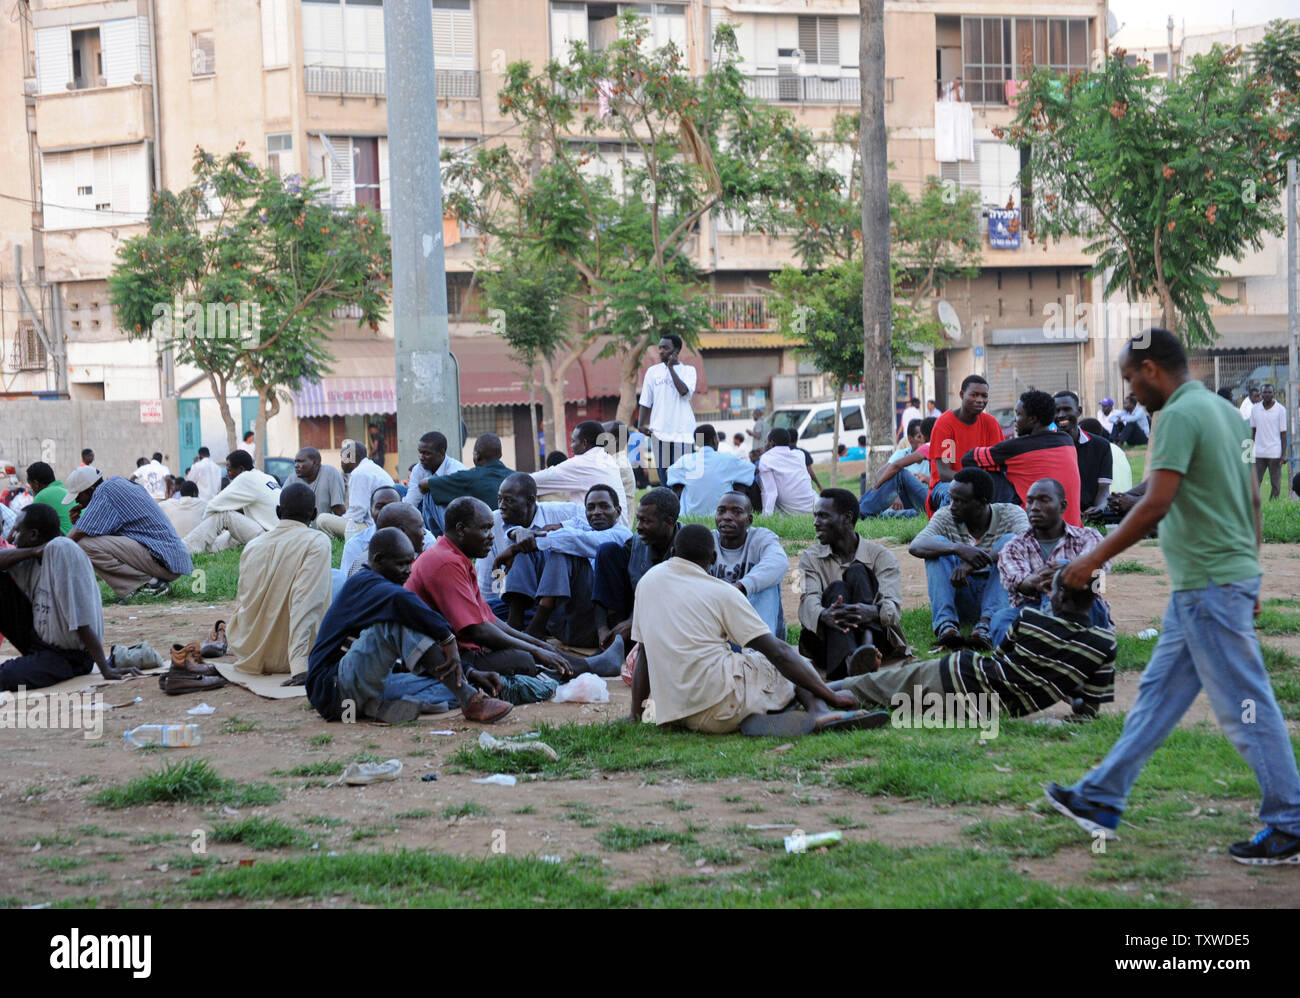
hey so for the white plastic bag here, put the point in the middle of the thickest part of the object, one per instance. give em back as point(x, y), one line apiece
point(587, 688)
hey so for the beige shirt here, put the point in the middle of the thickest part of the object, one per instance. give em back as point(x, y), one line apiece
point(684, 617)
point(284, 590)
point(185, 513)
point(818, 568)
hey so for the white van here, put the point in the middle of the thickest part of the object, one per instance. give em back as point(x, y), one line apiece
point(815, 421)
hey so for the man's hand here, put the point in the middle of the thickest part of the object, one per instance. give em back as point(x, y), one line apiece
point(506, 558)
point(108, 672)
point(897, 504)
point(1093, 512)
point(840, 617)
point(424, 484)
point(622, 630)
point(74, 514)
point(976, 558)
point(552, 661)
point(1080, 572)
point(1121, 503)
point(844, 700)
point(489, 681)
point(1042, 579)
point(297, 679)
point(959, 574)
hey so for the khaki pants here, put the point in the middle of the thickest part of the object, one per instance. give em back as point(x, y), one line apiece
point(334, 526)
point(754, 687)
point(241, 528)
point(124, 565)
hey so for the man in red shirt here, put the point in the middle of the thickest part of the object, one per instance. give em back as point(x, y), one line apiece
point(955, 433)
point(1036, 452)
point(444, 578)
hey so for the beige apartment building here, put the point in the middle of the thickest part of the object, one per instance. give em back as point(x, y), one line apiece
point(103, 103)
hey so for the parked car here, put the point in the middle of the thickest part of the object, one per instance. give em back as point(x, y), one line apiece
point(815, 422)
point(279, 468)
point(1266, 374)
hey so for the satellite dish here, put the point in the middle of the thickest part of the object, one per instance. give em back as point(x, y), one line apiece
point(1112, 24)
point(948, 317)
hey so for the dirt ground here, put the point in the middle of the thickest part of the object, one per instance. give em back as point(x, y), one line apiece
point(49, 776)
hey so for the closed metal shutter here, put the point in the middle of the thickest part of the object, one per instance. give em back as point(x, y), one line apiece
point(1011, 370)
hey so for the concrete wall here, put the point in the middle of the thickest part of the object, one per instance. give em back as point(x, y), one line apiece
point(56, 432)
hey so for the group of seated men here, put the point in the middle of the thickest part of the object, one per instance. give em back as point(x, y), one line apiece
point(446, 599)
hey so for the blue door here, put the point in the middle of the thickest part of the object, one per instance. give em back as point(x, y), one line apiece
point(189, 437)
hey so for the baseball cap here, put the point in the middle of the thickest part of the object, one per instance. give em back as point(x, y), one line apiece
point(78, 481)
point(1108, 401)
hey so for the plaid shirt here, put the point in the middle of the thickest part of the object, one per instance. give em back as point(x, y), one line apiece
point(124, 509)
point(1022, 557)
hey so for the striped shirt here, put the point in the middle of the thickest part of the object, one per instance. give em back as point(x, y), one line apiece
point(1042, 660)
point(119, 508)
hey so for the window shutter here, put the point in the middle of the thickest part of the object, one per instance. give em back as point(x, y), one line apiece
point(120, 48)
point(998, 165)
point(54, 59)
point(342, 187)
point(142, 50)
point(56, 189)
point(828, 41)
point(383, 175)
point(808, 38)
point(275, 32)
point(568, 24)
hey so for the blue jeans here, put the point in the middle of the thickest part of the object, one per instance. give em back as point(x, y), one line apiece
point(982, 598)
point(366, 671)
point(1003, 620)
point(1207, 641)
point(939, 497)
point(878, 500)
point(767, 604)
point(567, 578)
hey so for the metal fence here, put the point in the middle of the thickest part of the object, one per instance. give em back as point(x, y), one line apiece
point(1238, 369)
point(732, 313)
point(810, 89)
point(356, 81)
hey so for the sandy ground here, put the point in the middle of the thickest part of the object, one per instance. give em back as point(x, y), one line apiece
point(49, 777)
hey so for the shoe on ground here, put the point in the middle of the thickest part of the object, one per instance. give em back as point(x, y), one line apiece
point(189, 659)
point(139, 656)
point(980, 640)
point(949, 638)
point(391, 711)
point(863, 659)
point(1270, 847)
point(485, 709)
point(177, 681)
point(1092, 818)
point(216, 645)
point(156, 587)
point(361, 773)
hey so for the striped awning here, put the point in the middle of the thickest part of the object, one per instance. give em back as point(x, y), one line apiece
point(346, 397)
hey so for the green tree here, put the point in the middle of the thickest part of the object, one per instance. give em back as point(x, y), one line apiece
point(273, 251)
point(625, 227)
point(1165, 178)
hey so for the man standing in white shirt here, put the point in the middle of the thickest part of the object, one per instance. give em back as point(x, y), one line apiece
point(1268, 427)
point(205, 474)
point(241, 511)
point(249, 445)
point(784, 477)
point(666, 404)
point(153, 476)
point(913, 411)
point(364, 476)
point(1248, 404)
point(590, 465)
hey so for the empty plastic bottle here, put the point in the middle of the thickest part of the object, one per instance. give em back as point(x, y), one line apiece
point(167, 735)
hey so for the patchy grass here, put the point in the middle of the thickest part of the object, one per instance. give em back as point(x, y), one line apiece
point(1274, 620)
point(323, 820)
point(56, 841)
point(326, 767)
point(153, 838)
point(470, 809)
point(413, 815)
point(320, 741)
point(620, 838)
point(236, 725)
point(854, 875)
point(258, 833)
point(1133, 568)
point(192, 781)
point(1281, 521)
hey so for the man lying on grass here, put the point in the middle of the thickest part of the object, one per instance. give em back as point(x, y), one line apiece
point(685, 621)
point(1044, 659)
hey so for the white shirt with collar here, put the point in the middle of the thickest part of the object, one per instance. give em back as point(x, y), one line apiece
point(576, 475)
point(449, 466)
point(207, 476)
point(786, 485)
point(548, 514)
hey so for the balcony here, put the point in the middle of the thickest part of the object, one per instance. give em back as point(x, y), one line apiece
point(795, 89)
point(737, 313)
point(356, 81)
point(94, 117)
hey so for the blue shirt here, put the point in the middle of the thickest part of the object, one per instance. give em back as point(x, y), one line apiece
point(705, 475)
point(119, 508)
point(855, 454)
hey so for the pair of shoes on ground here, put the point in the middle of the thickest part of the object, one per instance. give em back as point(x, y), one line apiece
point(154, 587)
point(950, 637)
point(1270, 846)
point(189, 673)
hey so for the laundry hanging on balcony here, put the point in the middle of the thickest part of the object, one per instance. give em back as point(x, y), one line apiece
point(954, 131)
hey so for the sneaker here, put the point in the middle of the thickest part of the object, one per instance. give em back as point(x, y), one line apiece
point(1092, 818)
point(359, 774)
point(1270, 847)
point(156, 587)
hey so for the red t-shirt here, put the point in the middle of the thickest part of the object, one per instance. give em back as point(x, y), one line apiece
point(984, 432)
point(1024, 460)
point(444, 578)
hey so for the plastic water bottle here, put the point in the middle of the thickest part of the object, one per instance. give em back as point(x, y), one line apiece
point(167, 735)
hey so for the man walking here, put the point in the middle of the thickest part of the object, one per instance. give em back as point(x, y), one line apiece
point(1206, 501)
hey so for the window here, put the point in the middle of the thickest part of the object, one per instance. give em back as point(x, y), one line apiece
point(203, 54)
point(453, 35)
point(819, 40)
point(1160, 62)
point(365, 172)
point(275, 33)
point(95, 187)
point(996, 49)
point(338, 33)
point(112, 54)
point(279, 154)
point(822, 422)
point(87, 60)
point(29, 351)
point(853, 418)
point(993, 173)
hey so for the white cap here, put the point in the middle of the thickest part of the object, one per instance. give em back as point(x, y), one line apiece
point(81, 479)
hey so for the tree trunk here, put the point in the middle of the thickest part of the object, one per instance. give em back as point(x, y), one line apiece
point(223, 405)
point(553, 382)
point(627, 397)
point(259, 459)
point(835, 437)
point(878, 381)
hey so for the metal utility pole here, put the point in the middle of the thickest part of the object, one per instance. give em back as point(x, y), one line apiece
point(1170, 28)
point(1293, 341)
point(428, 388)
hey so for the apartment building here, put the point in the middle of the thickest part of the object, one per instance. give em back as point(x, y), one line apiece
point(105, 102)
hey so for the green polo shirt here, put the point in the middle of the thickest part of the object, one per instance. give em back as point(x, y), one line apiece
point(1208, 535)
point(52, 495)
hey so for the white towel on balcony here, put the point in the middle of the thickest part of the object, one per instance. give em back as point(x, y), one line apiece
point(954, 131)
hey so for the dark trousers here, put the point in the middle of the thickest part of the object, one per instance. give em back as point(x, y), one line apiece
point(828, 650)
point(40, 664)
point(1129, 433)
point(1273, 465)
point(566, 578)
point(666, 453)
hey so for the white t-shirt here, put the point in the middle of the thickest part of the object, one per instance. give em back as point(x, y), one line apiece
point(1107, 422)
point(253, 493)
point(365, 478)
point(671, 416)
point(909, 414)
point(1246, 407)
point(153, 477)
point(1269, 425)
point(207, 476)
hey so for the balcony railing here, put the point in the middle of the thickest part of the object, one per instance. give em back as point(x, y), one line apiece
point(737, 313)
point(356, 81)
point(809, 89)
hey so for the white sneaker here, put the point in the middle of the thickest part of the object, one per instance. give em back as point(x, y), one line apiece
point(361, 773)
